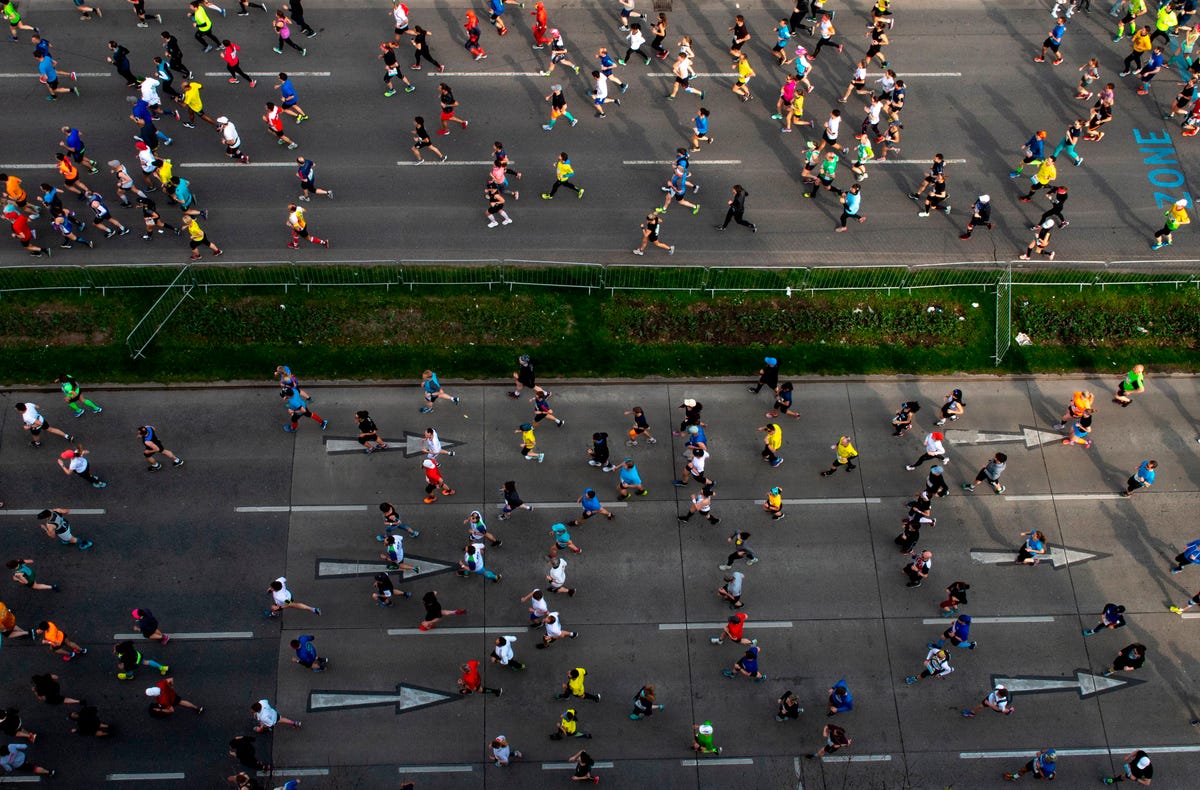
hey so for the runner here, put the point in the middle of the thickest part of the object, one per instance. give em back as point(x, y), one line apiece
point(298, 223)
point(1042, 765)
point(281, 598)
point(23, 573)
point(130, 658)
point(421, 140)
point(434, 481)
point(448, 102)
point(306, 654)
point(267, 717)
point(283, 30)
point(147, 625)
point(392, 69)
point(562, 168)
point(232, 140)
point(53, 637)
point(297, 407)
point(306, 172)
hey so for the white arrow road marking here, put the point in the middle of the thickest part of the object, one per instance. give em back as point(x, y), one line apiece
point(1086, 683)
point(404, 698)
point(1058, 556)
point(330, 569)
point(1031, 436)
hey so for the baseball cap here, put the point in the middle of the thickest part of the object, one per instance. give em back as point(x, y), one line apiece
point(938, 436)
point(937, 470)
point(1048, 223)
point(556, 87)
point(526, 426)
point(693, 429)
point(985, 198)
point(525, 359)
point(153, 691)
point(771, 360)
point(1051, 754)
point(776, 490)
point(428, 464)
point(690, 403)
point(706, 728)
point(222, 119)
point(554, 32)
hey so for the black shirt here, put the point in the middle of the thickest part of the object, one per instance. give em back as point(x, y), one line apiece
point(367, 425)
point(147, 623)
point(739, 205)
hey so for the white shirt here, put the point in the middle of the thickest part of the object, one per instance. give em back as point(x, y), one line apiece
point(283, 595)
point(886, 83)
point(397, 546)
point(558, 576)
point(682, 69)
point(31, 415)
point(79, 464)
point(933, 446)
point(149, 88)
point(1002, 704)
point(698, 462)
point(937, 666)
point(539, 607)
point(504, 652)
point(146, 159)
point(433, 445)
point(874, 110)
point(833, 126)
point(230, 135)
point(478, 555)
point(555, 628)
point(268, 716)
point(124, 180)
point(601, 88)
point(635, 39)
point(400, 15)
point(502, 753)
point(735, 587)
point(860, 73)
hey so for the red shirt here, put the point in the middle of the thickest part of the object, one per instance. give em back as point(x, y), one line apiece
point(434, 475)
point(168, 697)
point(471, 678)
point(231, 54)
point(735, 629)
point(21, 228)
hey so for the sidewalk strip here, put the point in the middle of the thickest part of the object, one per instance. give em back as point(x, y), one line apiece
point(160, 777)
point(195, 635)
point(717, 761)
point(571, 766)
point(1115, 751)
point(706, 626)
point(436, 769)
point(83, 511)
point(985, 620)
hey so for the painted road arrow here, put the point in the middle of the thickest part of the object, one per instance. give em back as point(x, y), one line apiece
point(333, 569)
point(1084, 682)
point(1031, 436)
point(406, 698)
point(1058, 556)
point(413, 445)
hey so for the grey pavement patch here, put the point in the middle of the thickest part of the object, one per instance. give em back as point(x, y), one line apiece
point(327, 568)
point(149, 777)
point(1057, 556)
point(83, 511)
point(1032, 437)
point(436, 769)
point(708, 626)
point(570, 766)
point(716, 762)
point(1112, 750)
point(196, 635)
point(1085, 683)
point(405, 698)
point(299, 508)
point(992, 620)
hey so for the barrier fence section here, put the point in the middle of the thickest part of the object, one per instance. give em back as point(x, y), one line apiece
point(179, 282)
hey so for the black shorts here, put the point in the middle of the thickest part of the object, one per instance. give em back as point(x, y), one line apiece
point(197, 243)
point(53, 84)
point(35, 430)
point(681, 82)
point(423, 144)
point(366, 438)
point(157, 447)
point(828, 139)
point(1049, 42)
point(276, 132)
point(27, 243)
point(496, 210)
point(309, 186)
point(680, 197)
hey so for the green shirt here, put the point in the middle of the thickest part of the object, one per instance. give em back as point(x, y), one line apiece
point(829, 166)
point(1133, 380)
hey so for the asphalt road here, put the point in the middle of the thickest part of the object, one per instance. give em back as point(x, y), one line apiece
point(974, 94)
point(199, 544)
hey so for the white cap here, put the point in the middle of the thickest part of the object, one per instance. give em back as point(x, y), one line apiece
point(1182, 202)
point(153, 691)
point(1048, 224)
point(428, 464)
point(1143, 762)
point(706, 729)
point(222, 119)
point(690, 403)
point(985, 198)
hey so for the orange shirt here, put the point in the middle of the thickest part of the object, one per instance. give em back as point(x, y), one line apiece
point(54, 635)
point(68, 170)
point(14, 190)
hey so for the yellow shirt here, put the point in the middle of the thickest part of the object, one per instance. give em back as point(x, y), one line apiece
point(296, 219)
point(576, 684)
point(167, 172)
point(200, 17)
point(798, 105)
point(774, 439)
point(744, 70)
point(568, 727)
point(1141, 42)
point(191, 97)
point(1047, 172)
point(845, 451)
point(1178, 215)
point(775, 500)
point(527, 439)
point(195, 231)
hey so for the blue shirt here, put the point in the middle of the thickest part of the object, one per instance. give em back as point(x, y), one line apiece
point(961, 630)
point(749, 662)
point(1036, 146)
point(74, 141)
point(287, 92)
point(783, 34)
point(682, 160)
point(1146, 473)
point(46, 68)
point(497, 6)
point(433, 385)
point(183, 193)
point(630, 477)
point(698, 438)
point(590, 504)
point(162, 72)
point(141, 111)
point(1057, 32)
point(679, 184)
point(1044, 766)
point(42, 48)
point(295, 402)
point(701, 124)
point(853, 200)
point(149, 435)
point(1192, 552)
point(561, 536)
point(1155, 62)
point(305, 170)
point(306, 652)
point(607, 64)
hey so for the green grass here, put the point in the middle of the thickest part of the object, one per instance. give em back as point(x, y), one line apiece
point(330, 330)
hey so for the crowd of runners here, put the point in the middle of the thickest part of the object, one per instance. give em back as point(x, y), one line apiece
point(814, 48)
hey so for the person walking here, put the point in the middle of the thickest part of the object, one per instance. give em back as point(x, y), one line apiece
point(1142, 478)
point(918, 568)
point(152, 445)
point(1111, 618)
point(1130, 658)
point(1042, 765)
point(281, 598)
point(737, 209)
point(845, 455)
point(562, 176)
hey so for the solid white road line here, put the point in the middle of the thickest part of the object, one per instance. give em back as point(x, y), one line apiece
point(1030, 619)
point(576, 505)
point(466, 630)
point(19, 779)
point(1115, 750)
point(436, 769)
point(570, 766)
point(858, 758)
point(270, 73)
point(912, 161)
point(859, 500)
point(195, 635)
point(919, 74)
point(635, 162)
point(299, 508)
point(717, 761)
point(290, 772)
point(83, 511)
point(706, 626)
point(1059, 497)
point(159, 777)
point(16, 75)
point(448, 163)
